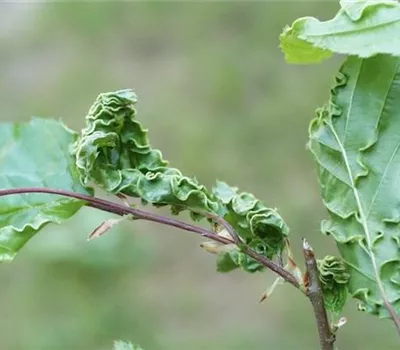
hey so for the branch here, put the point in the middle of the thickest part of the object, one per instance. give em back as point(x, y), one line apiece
point(120, 209)
point(316, 296)
point(278, 269)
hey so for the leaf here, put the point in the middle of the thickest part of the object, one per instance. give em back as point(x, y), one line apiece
point(261, 227)
point(334, 279)
point(114, 152)
point(360, 28)
point(121, 345)
point(356, 142)
point(35, 154)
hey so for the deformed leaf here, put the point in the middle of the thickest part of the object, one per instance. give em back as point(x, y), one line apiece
point(356, 142)
point(35, 154)
point(361, 28)
point(262, 228)
point(334, 279)
point(114, 152)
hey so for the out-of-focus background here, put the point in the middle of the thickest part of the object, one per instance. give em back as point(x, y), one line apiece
point(220, 101)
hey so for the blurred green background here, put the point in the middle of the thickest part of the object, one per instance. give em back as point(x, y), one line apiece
point(219, 99)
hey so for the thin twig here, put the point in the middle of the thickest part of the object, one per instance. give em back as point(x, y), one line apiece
point(226, 225)
point(316, 296)
point(120, 209)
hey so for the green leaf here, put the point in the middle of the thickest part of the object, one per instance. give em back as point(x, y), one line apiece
point(356, 142)
point(114, 152)
point(121, 345)
point(360, 28)
point(35, 154)
point(226, 263)
point(334, 279)
point(262, 228)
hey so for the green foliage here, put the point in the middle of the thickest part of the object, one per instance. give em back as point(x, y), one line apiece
point(26, 161)
point(362, 28)
point(355, 141)
point(114, 153)
point(260, 227)
point(121, 345)
point(334, 278)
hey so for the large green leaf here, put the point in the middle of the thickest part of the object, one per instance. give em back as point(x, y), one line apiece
point(361, 28)
point(35, 154)
point(356, 142)
point(114, 152)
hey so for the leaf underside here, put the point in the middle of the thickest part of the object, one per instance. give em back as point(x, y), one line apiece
point(361, 28)
point(356, 142)
point(35, 154)
point(114, 152)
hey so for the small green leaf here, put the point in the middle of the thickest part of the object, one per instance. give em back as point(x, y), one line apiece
point(261, 228)
point(225, 263)
point(360, 28)
point(35, 154)
point(334, 279)
point(122, 345)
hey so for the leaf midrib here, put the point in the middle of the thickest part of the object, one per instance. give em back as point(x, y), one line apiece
point(363, 218)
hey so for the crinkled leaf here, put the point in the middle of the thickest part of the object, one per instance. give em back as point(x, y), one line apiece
point(334, 278)
point(35, 154)
point(122, 345)
point(360, 28)
point(114, 152)
point(262, 228)
point(356, 142)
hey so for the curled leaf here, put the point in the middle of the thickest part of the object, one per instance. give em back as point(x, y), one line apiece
point(260, 227)
point(114, 153)
point(334, 279)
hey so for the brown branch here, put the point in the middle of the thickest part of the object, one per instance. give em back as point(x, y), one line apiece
point(316, 296)
point(120, 209)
